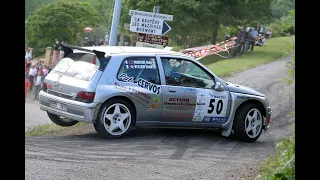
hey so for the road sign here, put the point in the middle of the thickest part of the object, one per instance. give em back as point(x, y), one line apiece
point(153, 39)
point(143, 44)
point(165, 17)
point(147, 25)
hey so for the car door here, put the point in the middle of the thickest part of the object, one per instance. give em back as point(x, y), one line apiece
point(138, 79)
point(188, 93)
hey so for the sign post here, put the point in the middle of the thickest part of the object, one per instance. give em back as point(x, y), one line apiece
point(150, 26)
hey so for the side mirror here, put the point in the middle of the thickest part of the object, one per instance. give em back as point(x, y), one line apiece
point(218, 87)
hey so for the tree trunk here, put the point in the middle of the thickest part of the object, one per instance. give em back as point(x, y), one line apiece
point(215, 33)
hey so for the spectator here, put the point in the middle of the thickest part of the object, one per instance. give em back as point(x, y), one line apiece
point(28, 55)
point(27, 86)
point(32, 74)
point(45, 71)
point(38, 85)
point(268, 34)
point(237, 47)
point(254, 36)
point(259, 27)
point(262, 29)
point(243, 35)
point(247, 38)
point(61, 51)
point(55, 56)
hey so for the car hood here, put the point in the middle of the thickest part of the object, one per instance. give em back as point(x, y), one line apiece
point(243, 89)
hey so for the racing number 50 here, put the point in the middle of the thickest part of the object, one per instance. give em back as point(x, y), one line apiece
point(219, 106)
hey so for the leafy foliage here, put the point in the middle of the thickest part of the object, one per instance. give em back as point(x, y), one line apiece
point(281, 8)
point(284, 26)
point(281, 165)
point(64, 20)
point(197, 22)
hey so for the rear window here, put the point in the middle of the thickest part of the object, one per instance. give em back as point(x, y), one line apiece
point(78, 65)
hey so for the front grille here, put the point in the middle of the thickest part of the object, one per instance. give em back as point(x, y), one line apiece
point(59, 94)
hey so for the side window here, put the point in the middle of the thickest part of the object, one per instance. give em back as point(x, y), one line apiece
point(133, 68)
point(180, 72)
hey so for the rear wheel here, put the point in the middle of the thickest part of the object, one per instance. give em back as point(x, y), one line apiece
point(61, 121)
point(248, 123)
point(115, 119)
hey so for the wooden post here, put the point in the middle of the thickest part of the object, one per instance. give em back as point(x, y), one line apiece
point(48, 56)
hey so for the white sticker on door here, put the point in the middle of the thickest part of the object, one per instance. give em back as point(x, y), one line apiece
point(211, 106)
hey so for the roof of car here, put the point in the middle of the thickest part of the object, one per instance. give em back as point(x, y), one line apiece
point(131, 49)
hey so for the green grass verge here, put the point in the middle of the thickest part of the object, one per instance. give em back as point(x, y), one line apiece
point(47, 128)
point(273, 49)
point(281, 165)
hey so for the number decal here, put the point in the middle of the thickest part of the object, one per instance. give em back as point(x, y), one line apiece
point(211, 105)
point(219, 106)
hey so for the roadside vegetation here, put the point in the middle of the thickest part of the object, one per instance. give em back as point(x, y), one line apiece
point(48, 128)
point(281, 164)
point(273, 49)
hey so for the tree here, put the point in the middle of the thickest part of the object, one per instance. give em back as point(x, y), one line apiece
point(196, 21)
point(64, 20)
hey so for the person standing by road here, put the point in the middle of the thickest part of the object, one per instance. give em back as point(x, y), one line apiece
point(55, 57)
point(28, 55)
point(38, 84)
point(262, 29)
point(32, 74)
point(254, 36)
point(27, 86)
point(45, 71)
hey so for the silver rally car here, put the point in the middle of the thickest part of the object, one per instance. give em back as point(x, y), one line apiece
point(118, 88)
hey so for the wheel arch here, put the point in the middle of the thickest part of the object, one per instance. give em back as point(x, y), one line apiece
point(253, 101)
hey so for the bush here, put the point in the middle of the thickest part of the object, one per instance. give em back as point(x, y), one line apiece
point(284, 26)
point(282, 164)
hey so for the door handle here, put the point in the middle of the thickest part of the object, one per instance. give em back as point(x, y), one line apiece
point(172, 91)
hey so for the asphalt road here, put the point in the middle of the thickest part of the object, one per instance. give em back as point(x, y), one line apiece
point(33, 115)
point(164, 153)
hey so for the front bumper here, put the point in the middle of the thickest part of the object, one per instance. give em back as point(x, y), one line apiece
point(267, 118)
point(79, 111)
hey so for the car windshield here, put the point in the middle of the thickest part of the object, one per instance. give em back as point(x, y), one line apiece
point(78, 65)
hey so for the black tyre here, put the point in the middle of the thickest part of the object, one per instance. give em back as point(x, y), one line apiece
point(115, 119)
point(248, 122)
point(61, 121)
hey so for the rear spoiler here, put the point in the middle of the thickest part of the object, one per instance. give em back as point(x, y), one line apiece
point(69, 48)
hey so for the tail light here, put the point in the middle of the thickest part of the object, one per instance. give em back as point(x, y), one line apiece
point(44, 86)
point(86, 97)
point(94, 60)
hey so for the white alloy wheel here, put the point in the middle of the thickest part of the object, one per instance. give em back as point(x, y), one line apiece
point(117, 119)
point(253, 123)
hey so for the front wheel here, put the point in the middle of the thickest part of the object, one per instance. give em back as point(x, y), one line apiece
point(61, 121)
point(115, 119)
point(248, 123)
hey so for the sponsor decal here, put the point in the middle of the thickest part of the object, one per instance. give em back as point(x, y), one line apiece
point(179, 103)
point(188, 90)
point(215, 119)
point(132, 64)
point(134, 94)
point(197, 118)
point(155, 104)
point(156, 89)
point(177, 116)
point(242, 97)
point(217, 96)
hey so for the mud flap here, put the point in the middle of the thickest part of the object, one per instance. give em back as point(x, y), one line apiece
point(227, 132)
